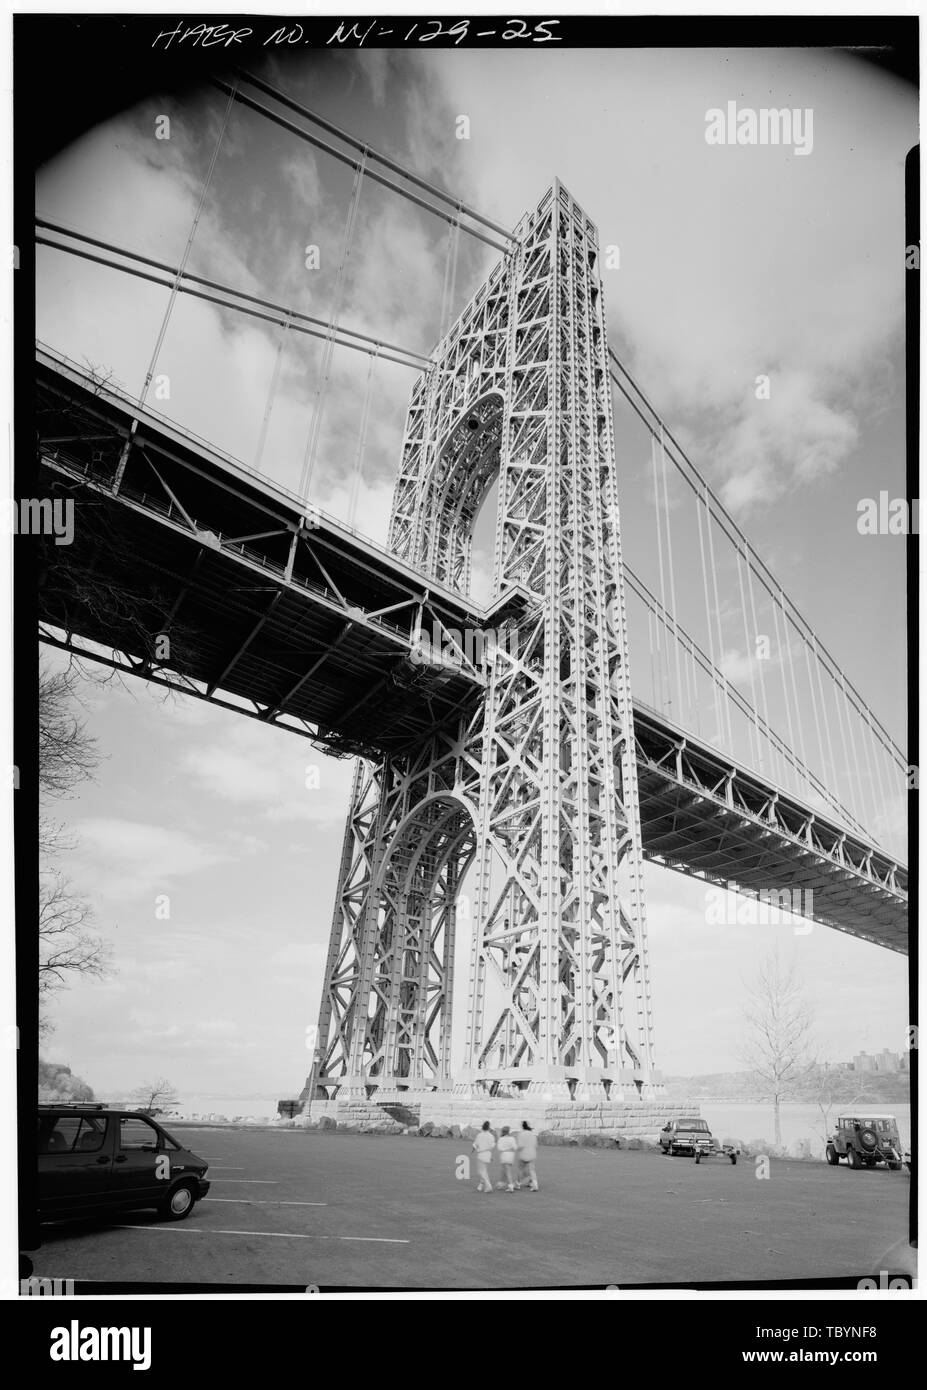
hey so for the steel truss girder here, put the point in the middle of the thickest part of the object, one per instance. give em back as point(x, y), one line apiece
point(716, 821)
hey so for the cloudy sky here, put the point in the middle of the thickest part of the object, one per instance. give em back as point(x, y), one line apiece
point(734, 262)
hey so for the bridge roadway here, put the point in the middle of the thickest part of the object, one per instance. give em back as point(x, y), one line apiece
point(286, 615)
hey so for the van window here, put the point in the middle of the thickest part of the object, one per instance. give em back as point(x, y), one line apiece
point(70, 1134)
point(137, 1134)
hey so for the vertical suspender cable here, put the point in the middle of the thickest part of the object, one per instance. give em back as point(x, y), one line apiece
point(788, 651)
point(189, 246)
point(711, 639)
point(870, 771)
point(271, 394)
point(754, 728)
point(656, 506)
point(785, 684)
point(714, 584)
point(877, 752)
point(361, 441)
point(450, 276)
point(830, 746)
point(325, 365)
point(669, 556)
point(854, 805)
point(756, 634)
point(653, 683)
point(814, 707)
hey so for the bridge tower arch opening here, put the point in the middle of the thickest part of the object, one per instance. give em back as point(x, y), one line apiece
point(465, 467)
point(558, 991)
point(407, 1040)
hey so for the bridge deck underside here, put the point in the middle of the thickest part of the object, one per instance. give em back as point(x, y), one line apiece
point(303, 624)
point(285, 631)
point(698, 819)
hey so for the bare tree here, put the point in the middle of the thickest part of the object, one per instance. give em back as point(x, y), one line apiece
point(778, 1045)
point(156, 1094)
point(65, 942)
point(68, 755)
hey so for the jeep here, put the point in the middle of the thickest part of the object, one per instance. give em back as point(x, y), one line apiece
point(865, 1139)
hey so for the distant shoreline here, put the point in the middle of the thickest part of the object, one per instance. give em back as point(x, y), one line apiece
point(698, 1099)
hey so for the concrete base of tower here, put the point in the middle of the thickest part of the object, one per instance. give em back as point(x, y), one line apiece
point(637, 1119)
point(626, 1121)
point(561, 1083)
point(568, 1102)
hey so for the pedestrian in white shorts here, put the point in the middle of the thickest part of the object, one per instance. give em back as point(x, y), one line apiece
point(483, 1144)
point(507, 1150)
point(527, 1146)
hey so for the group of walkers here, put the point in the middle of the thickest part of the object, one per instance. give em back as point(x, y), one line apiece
point(519, 1149)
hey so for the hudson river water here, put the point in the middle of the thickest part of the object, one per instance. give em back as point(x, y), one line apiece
point(728, 1119)
point(746, 1121)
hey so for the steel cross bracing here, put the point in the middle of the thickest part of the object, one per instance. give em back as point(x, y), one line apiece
point(537, 784)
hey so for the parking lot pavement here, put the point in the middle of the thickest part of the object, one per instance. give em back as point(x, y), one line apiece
point(308, 1208)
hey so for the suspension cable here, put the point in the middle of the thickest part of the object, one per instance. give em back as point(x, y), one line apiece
point(708, 612)
point(813, 782)
point(714, 582)
point(315, 427)
point(656, 506)
point(756, 636)
point(450, 278)
point(814, 708)
point(672, 574)
point(788, 649)
point(734, 534)
point(826, 716)
point(188, 248)
point(785, 685)
point(757, 750)
point(271, 395)
point(361, 443)
point(323, 145)
point(277, 313)
point(843, 739)
point(357, 144)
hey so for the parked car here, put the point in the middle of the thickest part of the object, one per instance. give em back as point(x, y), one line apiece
point(95, 1159)
point(865, 1139)
point(692, 1136)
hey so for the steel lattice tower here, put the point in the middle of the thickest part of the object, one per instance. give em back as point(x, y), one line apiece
point(535, 791)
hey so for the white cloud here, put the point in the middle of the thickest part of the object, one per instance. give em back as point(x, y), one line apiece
point(131, 858)
point(282, 778)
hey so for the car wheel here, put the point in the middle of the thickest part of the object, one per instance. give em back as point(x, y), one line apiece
point(179, 1203)
point(830, 1153)
point(854, 1159)
point(893, 1165)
